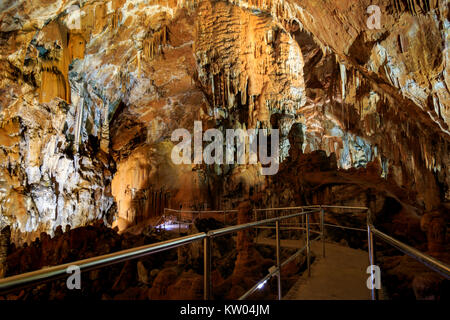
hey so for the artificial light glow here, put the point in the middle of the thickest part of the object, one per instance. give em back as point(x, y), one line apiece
point(261, 284)
point(168, 226)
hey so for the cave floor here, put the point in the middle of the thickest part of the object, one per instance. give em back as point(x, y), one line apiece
point(341, 275)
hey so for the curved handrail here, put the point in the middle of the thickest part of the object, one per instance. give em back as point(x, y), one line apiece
point(56, 272)
point(432, 263)
point(317, 206)
point(96, 262)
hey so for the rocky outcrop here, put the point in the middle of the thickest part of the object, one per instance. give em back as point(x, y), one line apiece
point(91, 92)
point(44, 182)
point(5, 235)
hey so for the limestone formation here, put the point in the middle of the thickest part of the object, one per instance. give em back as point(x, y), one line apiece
point(91, 91)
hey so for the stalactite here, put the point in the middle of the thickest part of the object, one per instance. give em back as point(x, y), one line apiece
point(219, 90)
point(139, 63)
point(78, 122)
point(156, 42)
point(230, 100)
point(244, 94)
point(396, 6)
point(223, 90)
point(343, 79)
point(415, 7)
point(213, 91)
point(115, 19)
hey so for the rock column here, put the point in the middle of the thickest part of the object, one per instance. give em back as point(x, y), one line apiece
point(5, 236)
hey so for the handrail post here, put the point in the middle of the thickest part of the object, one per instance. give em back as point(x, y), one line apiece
point(370, 249)
point(322, 227)
point(300, 236)
point(179, 222)
point(207, 267)
point(303, 226)
point(277, 226)
point(308, 246)
point(256, 228)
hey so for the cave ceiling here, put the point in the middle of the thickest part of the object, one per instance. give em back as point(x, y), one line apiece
point(90, 92)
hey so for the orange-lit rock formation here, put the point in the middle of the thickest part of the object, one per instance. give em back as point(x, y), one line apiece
point(91, 91)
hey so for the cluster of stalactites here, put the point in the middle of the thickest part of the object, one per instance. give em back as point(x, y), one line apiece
point(415, 7)
point(152, 45)
point(372, 112)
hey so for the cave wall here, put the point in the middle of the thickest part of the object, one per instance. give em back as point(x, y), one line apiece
point(91, 92)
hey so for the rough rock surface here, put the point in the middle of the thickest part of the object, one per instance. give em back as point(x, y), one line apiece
point(90, 92)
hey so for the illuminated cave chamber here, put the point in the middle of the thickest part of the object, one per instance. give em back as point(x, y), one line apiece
point(88, 107)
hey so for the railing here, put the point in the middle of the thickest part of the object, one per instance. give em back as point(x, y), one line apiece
point(60, 271)
point(183, 217)
point(43, 275)
point(35, 277)
point(305, 225)
point(275, 270)
point(430, 262)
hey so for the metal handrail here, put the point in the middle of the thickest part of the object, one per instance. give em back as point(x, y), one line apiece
point(201, 211)
point(227, 230)
point(432, 263)
point(177, 213)
point(58, 271)
point(274, 271)
point(288, 227)
point(313, 206)
point(344, 227)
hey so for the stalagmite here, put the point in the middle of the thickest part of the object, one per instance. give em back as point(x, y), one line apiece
point(5, 235)
point(104, 142)
point(343, 79)
point(89, 114)
point(78, 123)
point(139, 63)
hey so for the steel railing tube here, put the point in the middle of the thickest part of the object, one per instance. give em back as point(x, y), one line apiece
point(207, 267)
point(277, 225)
point(256, 286)
point(30, 278)
point(322, 229)
point(295, 255)
point(59, 271)
point(308, 246)
point(370, 249)
point(300, 235)
point(432, 263)
point(232, 229)
point(303, 226)
point(255, 218)
point(314, 207)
